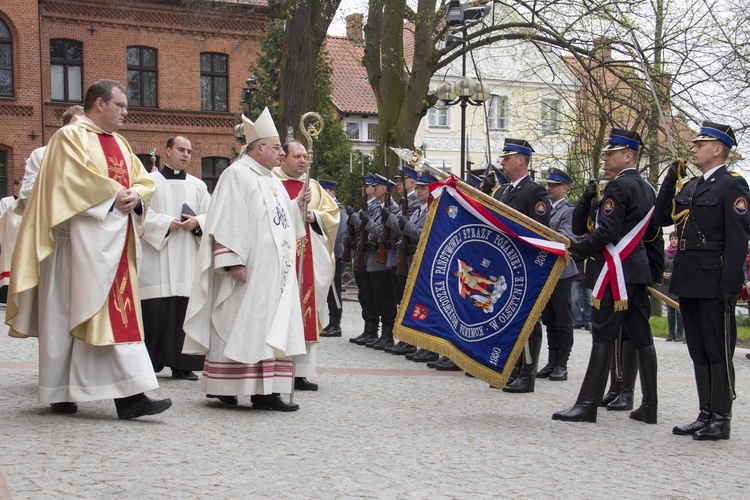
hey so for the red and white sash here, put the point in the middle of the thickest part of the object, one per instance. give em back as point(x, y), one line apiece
point(612, 273)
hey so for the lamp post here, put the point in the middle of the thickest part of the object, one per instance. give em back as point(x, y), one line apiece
point(465, 90)
point(251, 85)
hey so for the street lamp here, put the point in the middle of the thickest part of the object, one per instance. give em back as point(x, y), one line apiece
point(251, 85)
point(465, 90)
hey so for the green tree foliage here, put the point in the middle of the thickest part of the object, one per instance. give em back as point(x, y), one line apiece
point(332, 149)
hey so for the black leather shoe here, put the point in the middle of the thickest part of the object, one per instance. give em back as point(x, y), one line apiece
point(227, 400)
point(446, 365)
point(64, 407)
point(140, 405)
point(645, 413)
point(272, 402)
point(577, 413)
point(432, 364)
point(184, 375)
point(333, 331)
point(410, 356)
point(718, 428)
point(158, 368)
point(545, 372)
point(302, 384)
point(404, 350)
point(559, 374)
point(425, 357)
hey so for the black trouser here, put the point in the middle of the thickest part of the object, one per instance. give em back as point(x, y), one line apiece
point(558, 317)
point(384, 296)
point(399, 285)
point(335, 306)
point(606, 322)
point(704, 330)
point(365, 296)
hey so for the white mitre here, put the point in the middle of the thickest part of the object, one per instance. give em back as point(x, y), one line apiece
point(263, 127)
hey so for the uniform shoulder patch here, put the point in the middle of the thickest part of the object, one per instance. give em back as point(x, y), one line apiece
point(735, 174)
point(608, 206)
point(740, 205)
point(540, 208)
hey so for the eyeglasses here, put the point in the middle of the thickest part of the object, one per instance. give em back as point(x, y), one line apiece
point(274, 146)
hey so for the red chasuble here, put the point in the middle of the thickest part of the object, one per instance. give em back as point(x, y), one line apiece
point(122, 315)
point(309, 311)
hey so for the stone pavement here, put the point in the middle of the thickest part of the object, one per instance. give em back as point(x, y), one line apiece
point(380, 427)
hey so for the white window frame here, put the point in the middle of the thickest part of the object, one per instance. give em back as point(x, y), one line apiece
point(550, 115)
point(433, 116)
point(493, 122)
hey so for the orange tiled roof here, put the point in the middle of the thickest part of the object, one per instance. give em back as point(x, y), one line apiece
point(350, 88)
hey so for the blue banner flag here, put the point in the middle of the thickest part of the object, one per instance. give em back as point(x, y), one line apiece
point(480, 278)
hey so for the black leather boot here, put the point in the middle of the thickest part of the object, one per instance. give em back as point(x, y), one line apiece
point(386, 339)
point(703, 384)
point(561, 368)
point(364, 335)
point(721, 406)
point(614, 385)
point(371, 333)
point(550, 366)
point(624, 400)
point(334, 326)
point(592, 387)
point(527, 374)
point(647, 368)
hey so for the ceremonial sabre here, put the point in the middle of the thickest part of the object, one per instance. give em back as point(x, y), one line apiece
point(311, 125)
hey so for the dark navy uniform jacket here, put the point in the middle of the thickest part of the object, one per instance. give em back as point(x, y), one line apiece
point(719, 216)
point(527, 197)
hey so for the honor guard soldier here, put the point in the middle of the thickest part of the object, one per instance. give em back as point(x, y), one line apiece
point(335, 304)
point(381, 276)
point(558, 314)
point(622, 219)
point(365, 290)
point(525, 196)
point(711, 217)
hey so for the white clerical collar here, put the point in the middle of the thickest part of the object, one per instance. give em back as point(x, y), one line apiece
point(711, 172)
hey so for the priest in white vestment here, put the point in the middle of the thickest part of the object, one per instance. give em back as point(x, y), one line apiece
point(171, 237)
point(322, 221)
point(244, 311)
point(74, 280)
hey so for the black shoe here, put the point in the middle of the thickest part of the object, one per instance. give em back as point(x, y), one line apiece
point(559, 374)
point(184, 375)
point(418, 352)
point(333, 331)
point(587, 327)
point(425, 357)
point(399, 345)
point(546, 370)
point(446, 365)
point(747, 355)
point(227, 400)
point(432, 364)
point(272, 402)
point(140, 405)
point(158, 368)
point(302, 384)
point(406, 349)
point(64, 407)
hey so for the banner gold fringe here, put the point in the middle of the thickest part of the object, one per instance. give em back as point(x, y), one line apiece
point(445, 348)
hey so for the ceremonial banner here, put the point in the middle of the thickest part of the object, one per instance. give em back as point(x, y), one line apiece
point(480, 278)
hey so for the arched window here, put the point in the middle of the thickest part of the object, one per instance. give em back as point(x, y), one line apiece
point(214, 74)
point(211, 169)
point(66, 70)
point(6, 61)
point(142, 73)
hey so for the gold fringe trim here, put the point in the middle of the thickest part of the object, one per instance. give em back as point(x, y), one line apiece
point(621, 305)
point(596, 303)
point(441, 346)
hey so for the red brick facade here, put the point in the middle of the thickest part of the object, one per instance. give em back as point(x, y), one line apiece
point(105, 30)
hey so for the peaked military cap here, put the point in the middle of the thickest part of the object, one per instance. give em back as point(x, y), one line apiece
point(620, 139)
point(516, 146)
point(370, 179)
point(407, 171)
point(558, 176)
point(379, 179)
point(717, 132)
point(326, 184)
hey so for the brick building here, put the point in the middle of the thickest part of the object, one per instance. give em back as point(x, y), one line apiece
point(184, 67)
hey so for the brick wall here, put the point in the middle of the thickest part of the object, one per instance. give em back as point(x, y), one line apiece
point(106, 29)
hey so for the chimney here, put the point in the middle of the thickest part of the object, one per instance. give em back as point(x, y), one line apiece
point(603, 48)
point(354, 23)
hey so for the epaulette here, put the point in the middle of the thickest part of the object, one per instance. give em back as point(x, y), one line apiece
point(735, 174)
